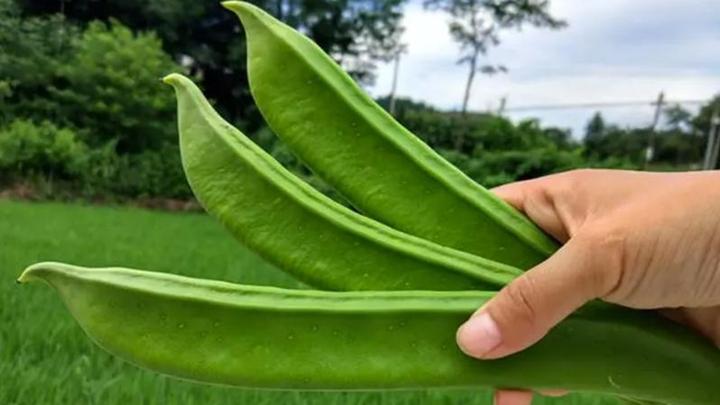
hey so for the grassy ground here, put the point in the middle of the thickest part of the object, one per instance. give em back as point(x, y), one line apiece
point(45, 357)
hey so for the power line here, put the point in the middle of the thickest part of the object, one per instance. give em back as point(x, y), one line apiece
point(609, 104)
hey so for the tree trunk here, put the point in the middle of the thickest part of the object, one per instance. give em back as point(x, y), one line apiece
point(469, 83)
point(460, 139)
point(279, 9)
point(394, 84)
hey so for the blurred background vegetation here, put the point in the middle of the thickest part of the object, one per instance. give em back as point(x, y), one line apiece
point(83, 114)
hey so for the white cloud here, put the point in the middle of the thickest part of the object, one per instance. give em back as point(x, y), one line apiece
point(613, 50)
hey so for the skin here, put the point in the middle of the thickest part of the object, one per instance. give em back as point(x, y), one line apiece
point(265, 337)
point(641, 240)
point(302, 231)
point(381, 168)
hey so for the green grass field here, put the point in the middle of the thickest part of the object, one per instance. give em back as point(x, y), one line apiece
point(46, 359)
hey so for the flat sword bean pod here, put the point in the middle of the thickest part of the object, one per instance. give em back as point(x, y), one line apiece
point(264, 337)
point(379, 166)
point(301, 230)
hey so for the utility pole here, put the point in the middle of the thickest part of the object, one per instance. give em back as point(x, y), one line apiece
point(712, 148)
point(650, 150)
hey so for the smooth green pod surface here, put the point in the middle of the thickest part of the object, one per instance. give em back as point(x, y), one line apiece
point(359, 149)
point(264, 337)
point(301, 230)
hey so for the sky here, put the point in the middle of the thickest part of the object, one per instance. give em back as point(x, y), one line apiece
point(612, 51)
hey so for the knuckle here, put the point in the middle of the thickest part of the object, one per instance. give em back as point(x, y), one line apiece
point(571, 189)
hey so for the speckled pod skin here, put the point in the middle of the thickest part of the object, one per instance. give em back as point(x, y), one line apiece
point(376, 164)
point(263, 337)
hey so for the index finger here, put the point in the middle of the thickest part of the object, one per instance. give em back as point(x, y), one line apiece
point(537, 200)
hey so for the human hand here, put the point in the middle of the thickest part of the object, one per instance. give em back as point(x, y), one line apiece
point(638, 239)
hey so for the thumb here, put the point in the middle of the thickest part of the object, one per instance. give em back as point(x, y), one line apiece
point(527, 308)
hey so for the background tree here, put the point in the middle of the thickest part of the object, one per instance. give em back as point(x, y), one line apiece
point(476, 24)
point(208, 39)
point(32, 50)
point(111, 92)
point(677, 145)
point(702, 121)
point(677, 117)
point(595, 127)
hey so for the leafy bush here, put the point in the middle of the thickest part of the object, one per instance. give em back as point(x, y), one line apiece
point(43, 152)
point(151, 173)
point(469, 133)
point(27, 148)
point(32, 51)
point(499, 167)
point(112, 89)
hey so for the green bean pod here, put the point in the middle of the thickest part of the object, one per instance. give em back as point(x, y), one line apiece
point(379, 166)
point(264, 337)
point(301, 230)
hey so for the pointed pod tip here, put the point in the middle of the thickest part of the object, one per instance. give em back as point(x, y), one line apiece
point(233, 5)
point(243, 9)
point(34, 272)
point(172, 79)
point(45, 271)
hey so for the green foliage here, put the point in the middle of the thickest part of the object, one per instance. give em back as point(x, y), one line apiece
point(27, 148)
point(471, 133)
point(357, 33)
point(43, 151)
point(677, 117)
point(614, 141)
point(679, 148)
point(111, 127)
point(111, 89)
point(492, 149)
point(32, 52)
point(678, 144)
point(499, 167)
point(595, 127)
point(102, 82)
point(151, 173)
point(701, 122)
point(524, 164)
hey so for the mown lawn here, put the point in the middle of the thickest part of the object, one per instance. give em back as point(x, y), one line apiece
point(46, 359)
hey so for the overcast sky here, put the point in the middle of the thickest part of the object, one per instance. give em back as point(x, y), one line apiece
point(612, 50)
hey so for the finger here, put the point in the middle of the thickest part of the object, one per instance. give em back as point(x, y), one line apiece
point(536, 199)
point(527, 308)
point(514, 193)
point(513, 397)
